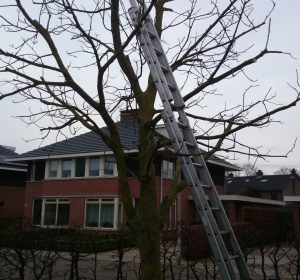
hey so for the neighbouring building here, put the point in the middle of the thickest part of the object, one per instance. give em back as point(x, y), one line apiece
point(273, 187)
point(12, 184)
point(75, 182)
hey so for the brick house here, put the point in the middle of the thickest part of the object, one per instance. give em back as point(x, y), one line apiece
point(75, 182)
point(12, 184)
point(261, 190)
point(273, 187)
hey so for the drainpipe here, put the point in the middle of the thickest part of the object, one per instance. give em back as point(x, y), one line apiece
point(179, 224)
point(161, 178)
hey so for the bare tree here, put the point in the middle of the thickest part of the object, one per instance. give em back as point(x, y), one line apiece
point(50, 40)
point(285, 170)
point(249, 169)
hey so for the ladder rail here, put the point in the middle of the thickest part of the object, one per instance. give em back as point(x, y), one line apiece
point(162, 76)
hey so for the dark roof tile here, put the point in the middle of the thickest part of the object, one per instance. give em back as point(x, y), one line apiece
point(90, 142)
point(265, 183)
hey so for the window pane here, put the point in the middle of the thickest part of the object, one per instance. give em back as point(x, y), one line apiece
point(33, 167)
point(50, 214)
point(274, 196)
point(63, 214)
point(80, 167)
point(92, 215)
point(137, 205)
point(107, 215)
point(171, 170)
point(53, 168)
point(66, 168)
point(109, 165)
point(37, 211)
point(165, 168)
point(94, 166)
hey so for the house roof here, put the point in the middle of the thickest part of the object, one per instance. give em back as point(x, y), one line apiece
point(87, 143)
point(219, 161)
point(265, 183)
point(7, 152)
point(90, 143)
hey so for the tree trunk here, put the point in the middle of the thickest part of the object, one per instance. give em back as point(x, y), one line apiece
point(150, 222)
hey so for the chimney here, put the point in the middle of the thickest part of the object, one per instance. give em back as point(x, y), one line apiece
point(293, 171)
point(259, 173)
point(230, 175)
point(127, 115)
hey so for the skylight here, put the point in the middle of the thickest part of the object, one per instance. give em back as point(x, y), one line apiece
point(265, 180)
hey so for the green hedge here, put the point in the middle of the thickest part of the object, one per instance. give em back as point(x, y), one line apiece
point(67, 240)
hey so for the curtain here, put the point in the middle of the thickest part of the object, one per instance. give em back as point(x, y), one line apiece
point(107, 215)
point(92, 215)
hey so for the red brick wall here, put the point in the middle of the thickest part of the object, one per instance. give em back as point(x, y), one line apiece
point(231, 212)
point(33, 190)
point(77, 190)
point(13, 202)
point(77, 208)
point(81, 187)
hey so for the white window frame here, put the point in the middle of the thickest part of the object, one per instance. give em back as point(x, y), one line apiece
point(105, 200)
point(58, 170)
point(168, 161)
point(73, 168)
point(57, 201)
point(114, 166)
point(33, 171)
point(99, 167)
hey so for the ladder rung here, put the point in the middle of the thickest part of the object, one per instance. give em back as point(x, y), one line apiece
point(176, 107)
point(164, 69)
point(171, 87)
point(206, 186)
point(199, 165)
point(224, 232)
point(157, 51)
point(191, 145)
point(214, 208)
point(181, 125)
point(234, 257)
point(151, 35)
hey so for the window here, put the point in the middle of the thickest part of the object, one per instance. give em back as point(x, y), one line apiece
point(33, 168)
point(101, 212)
point(274, 196)
point(80, 167)
point(94, 166)
point(136, 204)
point(109, 165)
point(37, 211)
point(57, 212)
point(53, 168)
point(168, 168)
point(66, 168)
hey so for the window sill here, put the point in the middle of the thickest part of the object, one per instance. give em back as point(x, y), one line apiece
point(78, 178)
point(100, 228)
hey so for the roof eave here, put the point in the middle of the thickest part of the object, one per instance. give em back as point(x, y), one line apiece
point(228, 167)
point(20, 159)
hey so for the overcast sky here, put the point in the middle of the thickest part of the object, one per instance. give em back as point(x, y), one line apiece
point(273, 71)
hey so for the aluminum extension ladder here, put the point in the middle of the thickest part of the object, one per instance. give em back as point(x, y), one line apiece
point(188, 153)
